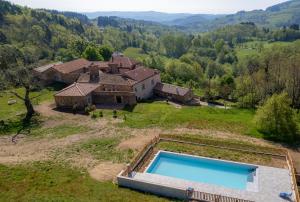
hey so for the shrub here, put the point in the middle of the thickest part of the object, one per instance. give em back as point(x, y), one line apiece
point(94, 115)
point(276, 119)
point(89, 108)
point(101, 114)
point(115, 114)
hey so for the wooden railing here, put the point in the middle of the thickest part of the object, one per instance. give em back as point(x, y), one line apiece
point(294, 180)
point(202, 196)
point(141, 157)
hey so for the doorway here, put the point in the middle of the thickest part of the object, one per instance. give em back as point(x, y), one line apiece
point(119, 99)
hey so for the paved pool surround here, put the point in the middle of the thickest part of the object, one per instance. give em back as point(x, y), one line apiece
point(266, 186)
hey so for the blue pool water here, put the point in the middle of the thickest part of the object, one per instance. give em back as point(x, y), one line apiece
point(197, 169)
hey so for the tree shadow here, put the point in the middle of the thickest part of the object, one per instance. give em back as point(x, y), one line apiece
point(18, 127)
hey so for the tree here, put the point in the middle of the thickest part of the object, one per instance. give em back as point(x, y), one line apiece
point(91, 53)
point(276, 119)
point(106, 52)
point(21, 77)
point(226, 87)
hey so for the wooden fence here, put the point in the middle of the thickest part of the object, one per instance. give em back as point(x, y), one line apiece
point(141, 157)
point(294, 180)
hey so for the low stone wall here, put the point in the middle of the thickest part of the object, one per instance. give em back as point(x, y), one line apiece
point(156, 189)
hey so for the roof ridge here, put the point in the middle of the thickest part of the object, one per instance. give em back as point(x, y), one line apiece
point(79, 89)
point(174, 85)
point(66, 88)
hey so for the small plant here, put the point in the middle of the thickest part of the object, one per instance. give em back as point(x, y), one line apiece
point(125, 117)
point(100, 114)
point(89, 108)
point(94, 115)
point(115, 114)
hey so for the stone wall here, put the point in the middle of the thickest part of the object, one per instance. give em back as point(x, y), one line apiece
point(70, 101)
point(157, 189)
point(144, 89)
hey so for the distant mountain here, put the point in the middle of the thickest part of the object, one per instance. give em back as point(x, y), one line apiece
point(276, 16)
point(146, 16)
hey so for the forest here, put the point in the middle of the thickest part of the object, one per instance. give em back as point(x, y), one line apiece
point(242, 63)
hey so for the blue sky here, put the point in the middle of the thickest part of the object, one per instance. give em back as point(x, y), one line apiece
point(171, 6)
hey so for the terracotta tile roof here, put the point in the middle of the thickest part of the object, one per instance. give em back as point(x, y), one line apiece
point(72, 66)
point(77, 90)
point(123, 61)
point(46, 67)
point(140, 73)
point(84, 78)
point(171, 89)
point(113, 79)
point(100, 64)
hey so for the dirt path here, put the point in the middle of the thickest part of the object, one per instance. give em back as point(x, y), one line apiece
point(106, 171)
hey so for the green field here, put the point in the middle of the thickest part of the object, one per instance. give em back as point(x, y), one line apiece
point(12, 111)
point(161, 114)
point(135, 53)
point(47, 181)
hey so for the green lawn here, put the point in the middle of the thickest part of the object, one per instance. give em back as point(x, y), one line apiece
point(12, 114)
point(59, 131)
point(161, 114)
point(47, 181)
point(135, 53)
point(15, 110)
point(105, 149)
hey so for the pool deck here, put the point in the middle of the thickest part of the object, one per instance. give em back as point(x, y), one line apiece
point(271, 182)
point(268, 184)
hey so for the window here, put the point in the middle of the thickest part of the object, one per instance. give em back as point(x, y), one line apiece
point(152, 82)
point(136, 90)
point(143, 87)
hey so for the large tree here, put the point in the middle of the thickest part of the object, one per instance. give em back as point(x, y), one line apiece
point(276, 119)
point(20, 77)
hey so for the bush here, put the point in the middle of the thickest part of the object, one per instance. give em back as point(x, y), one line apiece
point(115, 114)
point(89, 108)
point(101, 114)
point(276, 119)
point(94, 115)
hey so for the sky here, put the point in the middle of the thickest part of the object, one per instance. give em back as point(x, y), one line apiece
point(170, 6)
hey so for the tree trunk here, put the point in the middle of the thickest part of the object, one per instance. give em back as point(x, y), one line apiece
point(29, 107)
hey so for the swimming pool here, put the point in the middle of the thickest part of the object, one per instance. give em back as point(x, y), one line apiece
point(203, 170)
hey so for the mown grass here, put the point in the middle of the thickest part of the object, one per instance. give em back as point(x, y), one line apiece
point(59, 131)
point(106, 149)
point(161, 114)
point(47, 181)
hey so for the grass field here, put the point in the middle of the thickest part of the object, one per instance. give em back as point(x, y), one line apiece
point(15, 110)
point(105, 149)
point(161, 114)
point(47, 181)
point(135, 53)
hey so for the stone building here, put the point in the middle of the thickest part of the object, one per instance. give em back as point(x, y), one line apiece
point(120, 81)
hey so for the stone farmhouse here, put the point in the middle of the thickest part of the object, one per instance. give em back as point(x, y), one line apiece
point(120, 81)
